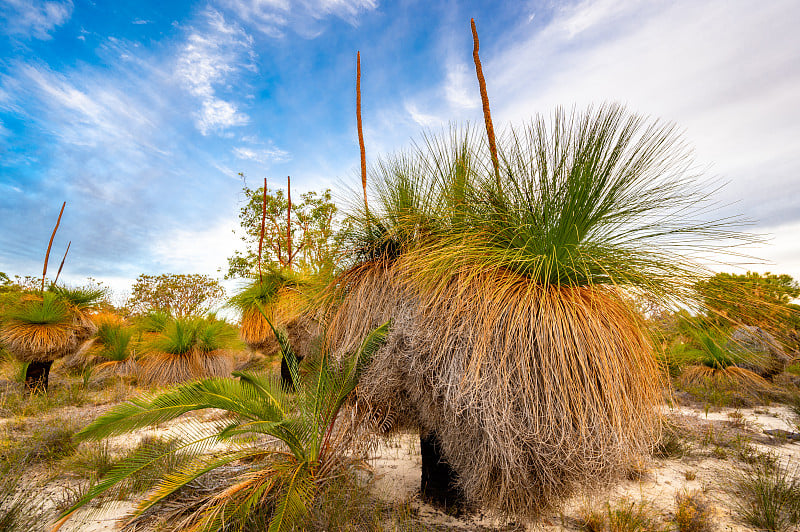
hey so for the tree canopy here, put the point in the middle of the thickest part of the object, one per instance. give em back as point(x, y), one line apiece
point(178, 294)
point(763, 300)
point(311, 244)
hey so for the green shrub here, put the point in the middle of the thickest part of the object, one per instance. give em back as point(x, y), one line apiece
point(769, 496)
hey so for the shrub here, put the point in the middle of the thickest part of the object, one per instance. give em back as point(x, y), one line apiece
point(768, 496)
point(692, 514)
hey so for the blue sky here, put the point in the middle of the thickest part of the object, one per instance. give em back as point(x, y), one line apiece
point(141, 114)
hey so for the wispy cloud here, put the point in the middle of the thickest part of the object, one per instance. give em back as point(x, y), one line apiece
point(34, 18)
point(273, 17)
point(682, 61)
point(261, 155)
point(460, 85)
point(212, 54)
point(423, 119)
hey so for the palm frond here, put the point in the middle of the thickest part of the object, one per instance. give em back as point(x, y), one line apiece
point(282, 480)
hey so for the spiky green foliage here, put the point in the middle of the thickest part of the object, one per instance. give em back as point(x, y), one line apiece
point(284, 295)
point(38, 328)
point(769, 496)
point(284, 479)
point(154, 321)
point(183, 335)
point(708, 363)
point(601, 197)
point(81, 298)
point(47, 310)
point(188, 348)
point(263, 290)
point(113, 342)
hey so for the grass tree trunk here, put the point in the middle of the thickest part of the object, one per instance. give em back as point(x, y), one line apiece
point(286, 375)
point(37, 376)
point(438, 485)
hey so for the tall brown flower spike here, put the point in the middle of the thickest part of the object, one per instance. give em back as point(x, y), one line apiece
point(50, 245)
point(487, 115)
point(289, 222)
point(360, 130)
point(61, 267)
point(261, 237)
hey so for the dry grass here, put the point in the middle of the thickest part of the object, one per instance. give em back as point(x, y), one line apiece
point(623, 516)
point(692, 513)
point(158, 368)
point(565, 373)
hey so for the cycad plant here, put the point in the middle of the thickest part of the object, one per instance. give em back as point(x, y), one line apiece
point(515, 346)
point(289, 446)
point(187, 349)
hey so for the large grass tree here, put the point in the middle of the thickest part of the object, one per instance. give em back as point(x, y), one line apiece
point(515, 346)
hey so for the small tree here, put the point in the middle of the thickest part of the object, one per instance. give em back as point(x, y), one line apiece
point(178, 294)
point(314, 242)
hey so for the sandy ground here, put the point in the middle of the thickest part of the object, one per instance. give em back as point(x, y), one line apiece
point(396, 465)
point(397, 475)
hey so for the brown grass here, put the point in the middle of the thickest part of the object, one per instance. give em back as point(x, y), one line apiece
point(732, 378)
point(289, 312)
point(534, 392)
point(159, 368)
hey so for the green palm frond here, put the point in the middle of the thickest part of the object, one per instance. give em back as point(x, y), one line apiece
point(283, 479)
point(285, 348)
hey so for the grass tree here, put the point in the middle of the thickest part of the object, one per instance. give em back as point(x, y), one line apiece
point(289, 445)
point(41, 328)
point(515, 346)
point(708, 362)
point(113, 350)
point(187, 349)
point(277, 297)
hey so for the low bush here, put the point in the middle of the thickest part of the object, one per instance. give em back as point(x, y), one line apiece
point(768, 497)
point(692, 513)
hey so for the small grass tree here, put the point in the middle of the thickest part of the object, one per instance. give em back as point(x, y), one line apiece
point(187, 349)
point(40, 328)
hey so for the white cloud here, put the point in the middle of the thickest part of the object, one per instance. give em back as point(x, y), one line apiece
point(272, 17)
point(34, 18)
point(218, 115)
point(261, 155)
point(4, 132)
point(202, 250)
point(725, 72)
point(461, 86)
point(423, 119)
point(208, 59)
